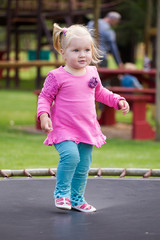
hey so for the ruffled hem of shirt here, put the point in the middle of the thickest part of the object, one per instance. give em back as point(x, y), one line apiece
point(50, 141)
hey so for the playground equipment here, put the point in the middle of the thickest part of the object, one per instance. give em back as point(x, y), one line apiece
point(36, 17)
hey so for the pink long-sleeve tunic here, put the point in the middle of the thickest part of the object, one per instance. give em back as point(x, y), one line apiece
point(70, 102)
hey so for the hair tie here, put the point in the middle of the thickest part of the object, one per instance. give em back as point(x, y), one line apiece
point(64, 30)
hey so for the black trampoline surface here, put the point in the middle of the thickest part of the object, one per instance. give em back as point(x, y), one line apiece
point(126, 209)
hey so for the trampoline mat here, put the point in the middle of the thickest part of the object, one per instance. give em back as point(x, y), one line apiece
point(126, 209)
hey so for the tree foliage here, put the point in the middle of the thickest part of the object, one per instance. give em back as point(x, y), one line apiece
point(133, 22)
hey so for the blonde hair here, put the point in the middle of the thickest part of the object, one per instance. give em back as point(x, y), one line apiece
point(63, 36)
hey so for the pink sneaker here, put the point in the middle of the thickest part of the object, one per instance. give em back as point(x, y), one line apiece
point(85, 207)
point(63, 203)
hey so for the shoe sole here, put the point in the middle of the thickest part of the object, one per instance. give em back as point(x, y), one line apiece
point(63, 207)
point(83, 210)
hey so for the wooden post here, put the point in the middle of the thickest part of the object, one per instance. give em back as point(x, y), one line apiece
point(39, 36)
point(16, 55)
point(148, 25)
point(8, 39)
point(158, 75)
point(96, 6)
point(69, 17)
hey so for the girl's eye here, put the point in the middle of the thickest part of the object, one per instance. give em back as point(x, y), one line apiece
point(87, 50)
point(75, 50)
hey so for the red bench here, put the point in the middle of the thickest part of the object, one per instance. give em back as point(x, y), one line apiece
point(137, 98)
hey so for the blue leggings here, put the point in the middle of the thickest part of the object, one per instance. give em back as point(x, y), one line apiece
point(72, 170)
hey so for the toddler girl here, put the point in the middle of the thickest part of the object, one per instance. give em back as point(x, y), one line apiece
point(66, 110)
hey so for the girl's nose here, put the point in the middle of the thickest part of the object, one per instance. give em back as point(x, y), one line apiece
point(82, 53)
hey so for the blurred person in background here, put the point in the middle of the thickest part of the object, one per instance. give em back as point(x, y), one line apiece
point(107, 37)
point(128, 80)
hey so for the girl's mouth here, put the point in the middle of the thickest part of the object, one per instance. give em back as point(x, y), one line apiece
point(82, 61)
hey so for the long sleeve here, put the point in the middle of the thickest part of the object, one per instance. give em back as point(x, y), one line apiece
point(47, 95)
point(105, 96)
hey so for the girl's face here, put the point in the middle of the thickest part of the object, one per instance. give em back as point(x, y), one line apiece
point(78, 54)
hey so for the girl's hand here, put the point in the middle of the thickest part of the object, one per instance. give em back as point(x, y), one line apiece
point(124, 106)
point(46, 123)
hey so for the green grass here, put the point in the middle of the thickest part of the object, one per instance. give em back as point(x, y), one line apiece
point(128, 154)
point(19, 149)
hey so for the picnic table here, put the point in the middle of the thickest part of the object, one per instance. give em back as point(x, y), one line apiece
point(17, 64)
point(144, 76)
point(137, 98)
point(23, 64)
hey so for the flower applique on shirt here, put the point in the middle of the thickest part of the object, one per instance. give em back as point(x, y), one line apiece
point(93, 82)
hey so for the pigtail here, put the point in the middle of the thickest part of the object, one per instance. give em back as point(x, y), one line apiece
point(57, 31)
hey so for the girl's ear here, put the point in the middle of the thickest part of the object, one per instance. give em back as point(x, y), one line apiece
point(62, 52)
